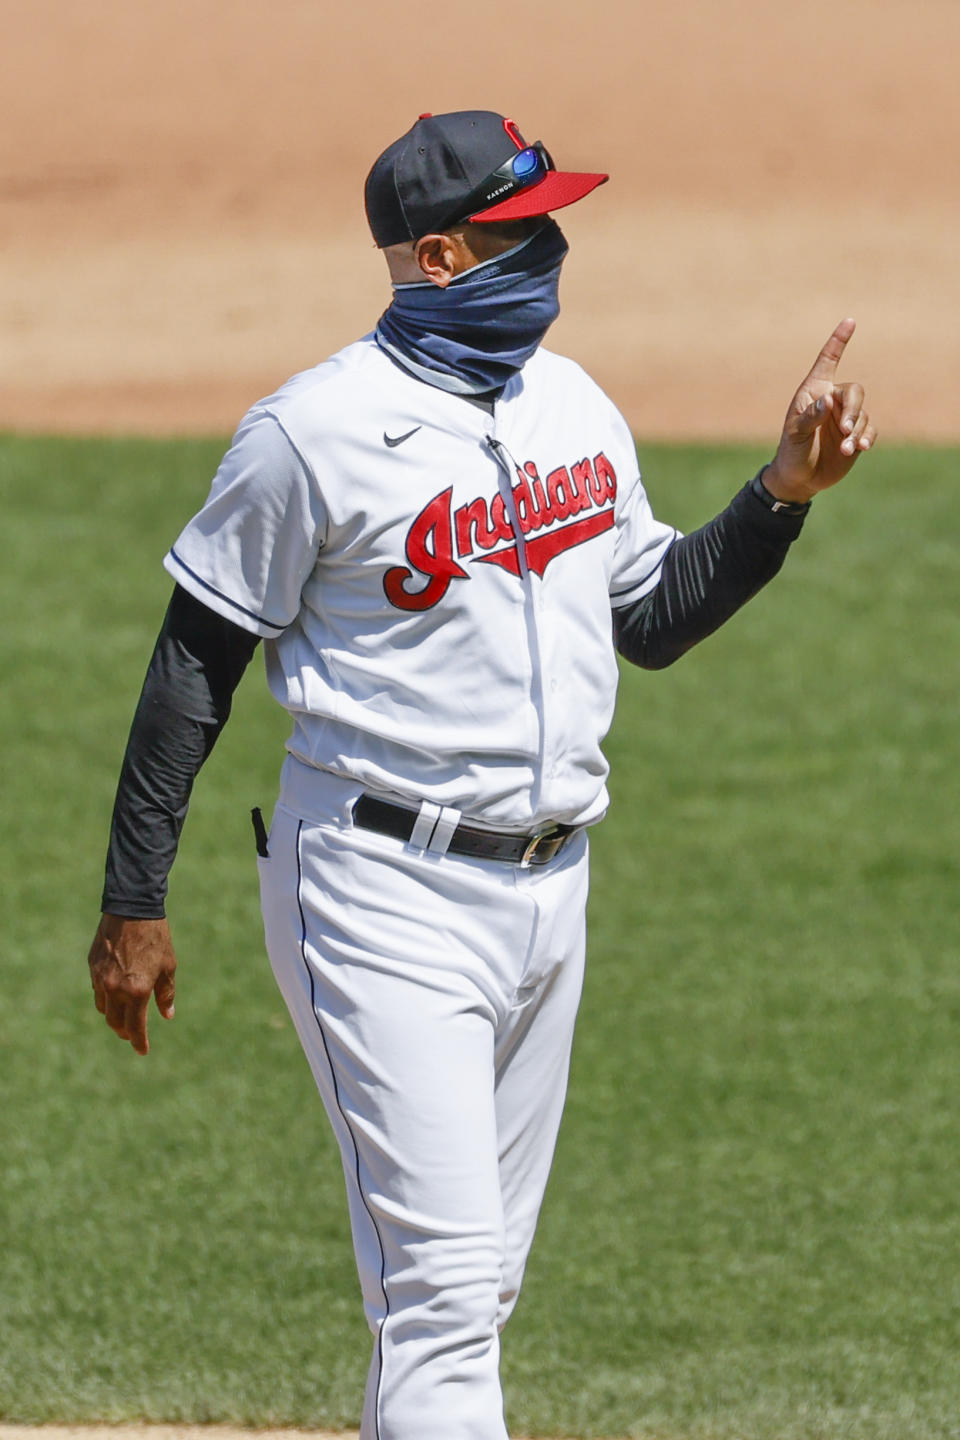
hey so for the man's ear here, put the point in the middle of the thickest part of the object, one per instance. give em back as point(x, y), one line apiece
point(441, 258)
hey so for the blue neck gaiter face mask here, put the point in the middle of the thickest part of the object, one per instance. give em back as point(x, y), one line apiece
point(475, 334)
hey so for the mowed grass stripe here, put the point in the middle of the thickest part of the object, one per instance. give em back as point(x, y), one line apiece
point(752, 1228)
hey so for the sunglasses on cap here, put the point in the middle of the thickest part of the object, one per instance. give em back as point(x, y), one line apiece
point(528, 167)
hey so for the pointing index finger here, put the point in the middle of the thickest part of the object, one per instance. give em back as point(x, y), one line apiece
point(825, 365)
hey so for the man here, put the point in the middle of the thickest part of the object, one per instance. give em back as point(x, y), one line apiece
point(439, 534)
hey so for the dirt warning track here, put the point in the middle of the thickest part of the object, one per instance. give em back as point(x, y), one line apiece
point(181, 225)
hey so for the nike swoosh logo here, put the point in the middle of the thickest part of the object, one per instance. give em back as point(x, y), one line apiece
point(394, 440)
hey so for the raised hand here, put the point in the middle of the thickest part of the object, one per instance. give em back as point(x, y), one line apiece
point(826, 429)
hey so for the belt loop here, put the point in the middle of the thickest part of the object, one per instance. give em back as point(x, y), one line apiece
point(439, 841)
point(423, 826)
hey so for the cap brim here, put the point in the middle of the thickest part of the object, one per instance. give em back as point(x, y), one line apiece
point(558, 189)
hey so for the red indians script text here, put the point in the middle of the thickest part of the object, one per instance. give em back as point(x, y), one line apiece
point(481, 531)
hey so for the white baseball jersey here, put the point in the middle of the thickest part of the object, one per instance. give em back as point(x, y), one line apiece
point(433, 582)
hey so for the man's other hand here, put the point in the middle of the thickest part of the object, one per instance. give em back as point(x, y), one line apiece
point(130, 960)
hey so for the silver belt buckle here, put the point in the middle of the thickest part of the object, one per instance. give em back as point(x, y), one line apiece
point(533, 844)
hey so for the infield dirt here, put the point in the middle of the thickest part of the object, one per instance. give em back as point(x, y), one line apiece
point(181, 224)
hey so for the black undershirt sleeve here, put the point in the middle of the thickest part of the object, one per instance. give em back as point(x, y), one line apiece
point(197, 665)
point(706, 577)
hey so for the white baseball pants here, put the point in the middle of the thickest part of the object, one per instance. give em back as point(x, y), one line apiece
point(435, 999)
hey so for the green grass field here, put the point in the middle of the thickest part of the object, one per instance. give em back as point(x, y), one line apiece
point(753, 1228)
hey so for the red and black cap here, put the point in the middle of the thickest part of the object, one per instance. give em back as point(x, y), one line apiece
point(468, 165)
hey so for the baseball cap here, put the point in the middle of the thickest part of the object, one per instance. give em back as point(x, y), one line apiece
point(467, 165)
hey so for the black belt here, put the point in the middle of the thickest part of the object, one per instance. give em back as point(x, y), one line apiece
point(523, 850)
